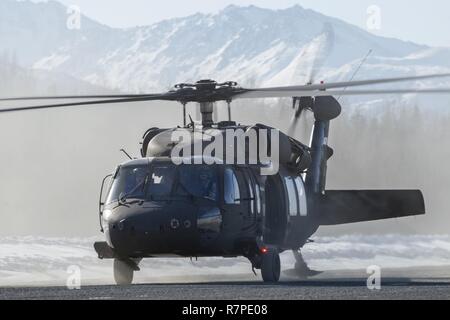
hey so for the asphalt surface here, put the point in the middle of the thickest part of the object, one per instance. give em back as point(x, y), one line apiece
point(395, 285)
point(311, 290)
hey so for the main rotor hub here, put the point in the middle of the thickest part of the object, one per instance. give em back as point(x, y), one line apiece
point(206, 85)
point(206, 91)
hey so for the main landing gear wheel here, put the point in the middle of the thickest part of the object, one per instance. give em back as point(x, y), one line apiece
point(270, 266)
point(123, 272)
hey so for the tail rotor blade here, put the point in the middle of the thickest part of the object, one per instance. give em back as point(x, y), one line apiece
point(324, 44)
point(293, 126)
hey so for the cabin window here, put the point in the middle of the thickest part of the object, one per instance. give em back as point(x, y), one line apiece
point(231, 187)
point(301, 196)
point(252, 196)
point(292, 195)
point(258, 198)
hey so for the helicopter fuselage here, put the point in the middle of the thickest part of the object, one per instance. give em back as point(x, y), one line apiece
point(160, 206)
point(195, 210)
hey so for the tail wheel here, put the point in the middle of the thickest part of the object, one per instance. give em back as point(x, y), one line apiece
point(271, 266)
point(123, 272)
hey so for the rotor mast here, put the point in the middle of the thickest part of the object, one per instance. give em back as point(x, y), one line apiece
point(207, 113)
point(207, 110)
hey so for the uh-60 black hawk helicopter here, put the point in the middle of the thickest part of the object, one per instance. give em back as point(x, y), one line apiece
point(157, 207)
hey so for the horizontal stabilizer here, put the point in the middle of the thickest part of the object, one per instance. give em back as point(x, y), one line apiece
point(343, 207)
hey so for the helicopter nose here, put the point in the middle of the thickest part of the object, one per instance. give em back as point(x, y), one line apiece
point(155, 230)
point(127, 232)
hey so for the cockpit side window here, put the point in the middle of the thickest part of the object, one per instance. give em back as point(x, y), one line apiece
point(247, 188)
point(232, 193)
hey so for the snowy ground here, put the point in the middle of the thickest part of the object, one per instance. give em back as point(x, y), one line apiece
point(37, 261)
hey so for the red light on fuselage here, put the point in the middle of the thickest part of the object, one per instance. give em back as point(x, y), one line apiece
point(264, 250)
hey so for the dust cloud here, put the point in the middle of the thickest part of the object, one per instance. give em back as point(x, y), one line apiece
point(53, 161)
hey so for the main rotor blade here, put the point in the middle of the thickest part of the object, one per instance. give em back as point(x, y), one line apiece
point(311, 93)
point(387, 91)
point(337, 85)
point(168, 97)
point(111, 96)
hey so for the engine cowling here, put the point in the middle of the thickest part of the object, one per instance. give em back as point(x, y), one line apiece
point(292, 154)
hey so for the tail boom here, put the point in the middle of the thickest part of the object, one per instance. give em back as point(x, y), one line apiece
point(344, 207)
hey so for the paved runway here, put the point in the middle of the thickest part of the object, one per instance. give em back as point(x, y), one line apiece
point(391, 289)
point(396, 284)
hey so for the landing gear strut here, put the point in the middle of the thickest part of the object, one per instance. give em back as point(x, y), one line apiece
point(301, 268)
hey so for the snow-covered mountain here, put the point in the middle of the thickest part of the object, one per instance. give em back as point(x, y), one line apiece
point(16, 81)
point(251, 45)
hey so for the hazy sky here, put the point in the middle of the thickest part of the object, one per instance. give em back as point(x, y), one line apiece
point(425, 22)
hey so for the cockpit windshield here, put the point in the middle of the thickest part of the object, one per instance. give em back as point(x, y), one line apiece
point(198, 181)
point(161, 181)
point(129, 182)
point(164, 182)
